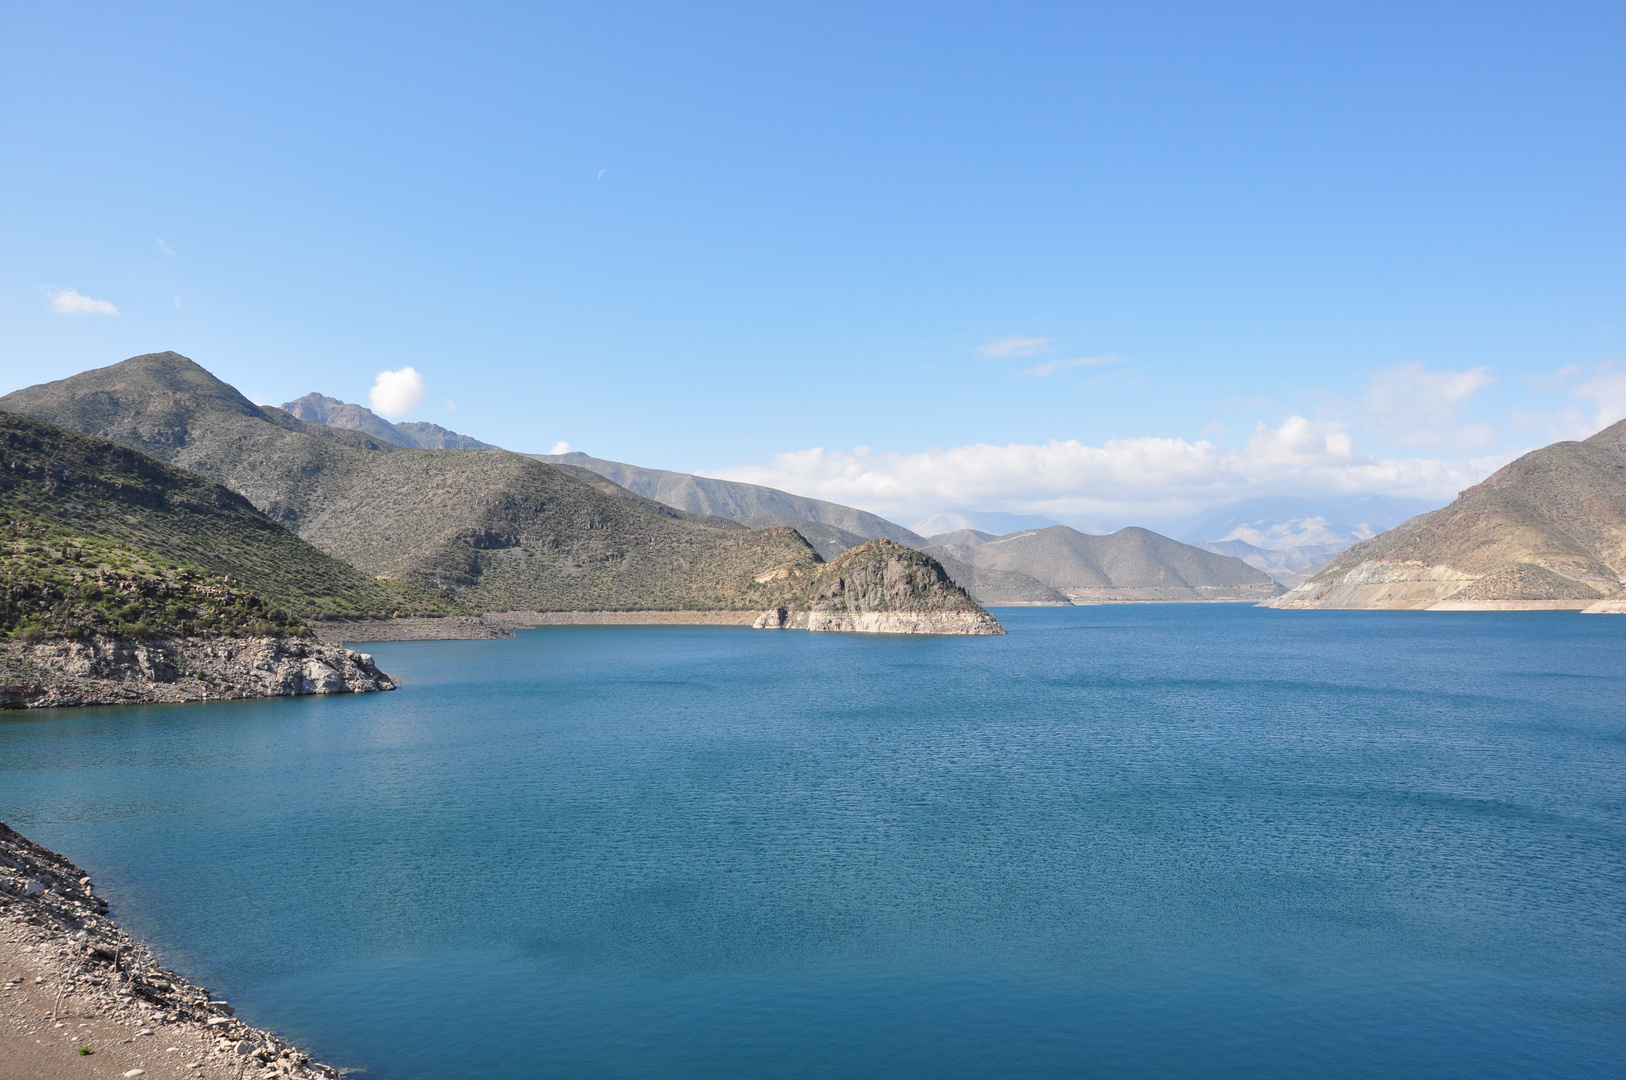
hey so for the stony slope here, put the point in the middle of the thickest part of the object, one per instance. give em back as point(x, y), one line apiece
point(320, 409)
point(882, 587)
point(1548, 530)
point(1129, 566)
point(496, 530)
point(726, 498)
point(109, 539)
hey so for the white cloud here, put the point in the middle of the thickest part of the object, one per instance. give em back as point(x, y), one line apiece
point(560, 447)
point(72, 302)
point(166, 249)
point(1143, 477)
point(1050, 367)
point(1607, 392)
point(1011, 348)
point(396, 393)
point(1414, 406)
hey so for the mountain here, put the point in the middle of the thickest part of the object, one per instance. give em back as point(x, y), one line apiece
point(1288, 536)
point(1547, 531)
point(98, 538)
point(988, 521)
point(490, 529)
point(829, 527)
point(1288, 565)
point(743, 502)
point(1129, 566)
point(318, 409)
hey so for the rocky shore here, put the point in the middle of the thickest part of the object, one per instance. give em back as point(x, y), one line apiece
point(125, 671)
point(80, 998)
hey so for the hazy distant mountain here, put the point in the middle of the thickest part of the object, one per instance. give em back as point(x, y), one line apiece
point(319, 409)
point(1287, 536)
point(986, 521)
point(1547, 531)
point(496, 530)
point(744, 502)
point(1131, 565)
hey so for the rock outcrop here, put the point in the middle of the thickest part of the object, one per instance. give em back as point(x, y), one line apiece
point(882, 588)
point(1546, 532)
point(125, 671)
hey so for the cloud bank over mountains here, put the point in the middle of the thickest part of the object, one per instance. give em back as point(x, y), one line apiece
point(1120, 479)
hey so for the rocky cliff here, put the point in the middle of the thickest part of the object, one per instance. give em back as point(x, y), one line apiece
point(1547, 531)
point(125, 671)
point(882, 588)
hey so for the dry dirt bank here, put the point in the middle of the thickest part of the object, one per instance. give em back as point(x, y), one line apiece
point(71, 980)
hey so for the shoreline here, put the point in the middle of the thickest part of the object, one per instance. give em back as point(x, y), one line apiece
point(127, 671)
point(71, 978)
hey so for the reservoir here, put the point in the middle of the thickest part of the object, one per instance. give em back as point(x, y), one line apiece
point(1153, 841)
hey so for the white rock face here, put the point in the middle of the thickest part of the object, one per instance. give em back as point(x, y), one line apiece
point(1380, 585)
point(109, 671)
point(881, 622)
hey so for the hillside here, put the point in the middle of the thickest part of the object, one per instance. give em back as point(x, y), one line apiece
point(1129, 566)
point(495, 530)
point(1547, 531)
point(318, 409)
point(726, 498)
point(88, 521)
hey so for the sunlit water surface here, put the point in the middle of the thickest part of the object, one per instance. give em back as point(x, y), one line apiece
point(1121, 842)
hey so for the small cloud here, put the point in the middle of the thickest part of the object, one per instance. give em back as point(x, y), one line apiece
point(167, 250)
point(560, 447)
point(1050, 367)
point(177, 299)
point(1011, 348)
point(396, 393)
point(1417, 407)
point(450, 405)
point(602, 172)
point(72, 302)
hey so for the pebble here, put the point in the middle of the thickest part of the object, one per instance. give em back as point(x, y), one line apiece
point(136, 1072)
point(145, 1031)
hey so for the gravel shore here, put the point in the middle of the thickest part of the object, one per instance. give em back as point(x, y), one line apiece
point(79, 998)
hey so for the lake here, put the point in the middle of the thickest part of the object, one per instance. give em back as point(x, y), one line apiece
point(1162, 841)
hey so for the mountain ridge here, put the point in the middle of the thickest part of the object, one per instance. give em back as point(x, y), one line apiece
point(1546, 530)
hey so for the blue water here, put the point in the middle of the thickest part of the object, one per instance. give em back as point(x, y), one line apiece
point(1121, 842)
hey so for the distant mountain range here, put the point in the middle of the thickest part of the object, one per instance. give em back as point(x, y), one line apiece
point(494, 531)
point(1129, 566)
point(1288, 537)
point(319, 409)
point(993, 522)
point(1547, 531)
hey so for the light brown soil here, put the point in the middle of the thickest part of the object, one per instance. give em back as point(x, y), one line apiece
point(71, 980)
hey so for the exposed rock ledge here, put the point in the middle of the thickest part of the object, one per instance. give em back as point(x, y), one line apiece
point(881, 622)
point(123, 671)
point(81, 998)
point(1418, 586)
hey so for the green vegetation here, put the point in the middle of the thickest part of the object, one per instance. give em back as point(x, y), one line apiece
point(54, 584)
point(90, 501)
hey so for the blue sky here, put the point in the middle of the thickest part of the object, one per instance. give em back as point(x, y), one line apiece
point(858, 252)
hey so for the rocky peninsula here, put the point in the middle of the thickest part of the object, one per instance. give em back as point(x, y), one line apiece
point(882, 587)
point(80, 998)
point(101, 670)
